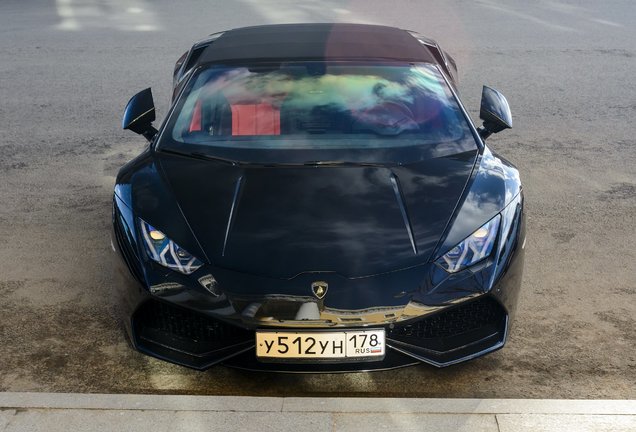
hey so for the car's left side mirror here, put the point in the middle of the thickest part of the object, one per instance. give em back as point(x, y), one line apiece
point(495, 112)
point(139, 114)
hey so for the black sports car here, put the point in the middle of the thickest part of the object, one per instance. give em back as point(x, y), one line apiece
point(317, 199)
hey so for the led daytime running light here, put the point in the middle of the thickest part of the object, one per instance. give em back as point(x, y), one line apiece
point(164, 251)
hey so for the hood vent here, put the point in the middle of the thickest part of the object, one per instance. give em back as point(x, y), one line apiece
point(405, 216)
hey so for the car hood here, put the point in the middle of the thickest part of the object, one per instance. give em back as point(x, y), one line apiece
point(353, 220)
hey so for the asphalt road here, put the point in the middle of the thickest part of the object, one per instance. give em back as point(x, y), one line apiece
point(68, 67)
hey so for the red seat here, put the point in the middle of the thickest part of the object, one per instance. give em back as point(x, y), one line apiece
point(195, 122)
point(247, 119)
point(255, 119)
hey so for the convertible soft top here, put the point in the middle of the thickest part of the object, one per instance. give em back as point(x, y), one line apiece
point(317, 42)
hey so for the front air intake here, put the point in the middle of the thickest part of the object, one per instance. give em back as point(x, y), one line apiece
point(455, 333)
point(185, 336)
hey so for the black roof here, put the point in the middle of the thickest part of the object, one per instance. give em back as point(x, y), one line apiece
point(316, 41)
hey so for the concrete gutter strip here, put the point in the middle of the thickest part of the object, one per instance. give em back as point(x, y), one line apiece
point(462, 406)
point(314, 405)
point(140, 402)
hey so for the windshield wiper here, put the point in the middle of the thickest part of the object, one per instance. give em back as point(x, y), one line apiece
point(317, 163)
point(198, 155)
point(341, 163)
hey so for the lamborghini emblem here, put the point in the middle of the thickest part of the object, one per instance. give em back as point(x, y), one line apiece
point(319, 288)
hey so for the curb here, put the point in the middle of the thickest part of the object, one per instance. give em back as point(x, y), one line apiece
point(10, 400)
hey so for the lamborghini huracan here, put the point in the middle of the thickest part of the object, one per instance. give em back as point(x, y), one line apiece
point(317, 199)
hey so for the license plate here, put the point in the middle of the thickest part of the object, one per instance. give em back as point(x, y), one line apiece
point(320, 345)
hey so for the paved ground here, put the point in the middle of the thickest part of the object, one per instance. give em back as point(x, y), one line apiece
point(567, 68)
point(54, 412)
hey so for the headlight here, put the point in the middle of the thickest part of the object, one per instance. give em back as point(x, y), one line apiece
point(473, 249)
point(166, 252)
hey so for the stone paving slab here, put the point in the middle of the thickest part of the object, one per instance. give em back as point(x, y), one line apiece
point(140, 402)
point(467, 406)
point(65, 420)
point(63, 412)
point(565, 422)
point(415, 422)
point(5, 418)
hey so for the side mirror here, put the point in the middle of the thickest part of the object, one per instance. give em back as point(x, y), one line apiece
point(139, 114)
point(495, 112)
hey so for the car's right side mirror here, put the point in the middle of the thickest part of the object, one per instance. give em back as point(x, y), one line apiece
point(139, 114)
point(495, 112)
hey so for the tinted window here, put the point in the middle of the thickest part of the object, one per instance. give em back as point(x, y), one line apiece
point(317, 105)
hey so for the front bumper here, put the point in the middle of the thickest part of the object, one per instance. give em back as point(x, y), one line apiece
point(458, 333)
point(456, 319)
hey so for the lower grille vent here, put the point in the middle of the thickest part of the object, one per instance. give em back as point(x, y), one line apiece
point(482, 313)
point(185, 330)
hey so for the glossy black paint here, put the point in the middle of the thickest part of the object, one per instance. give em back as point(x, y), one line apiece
point(406, 294)
point(493, 186)
point(494, 111)
point(370, 224)
point(189, 60)
point(345, 220)
point(140, 113)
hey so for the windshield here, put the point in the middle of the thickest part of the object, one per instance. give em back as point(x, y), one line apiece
point(316, 105)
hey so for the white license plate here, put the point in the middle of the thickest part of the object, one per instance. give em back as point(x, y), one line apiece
point(320, 345)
